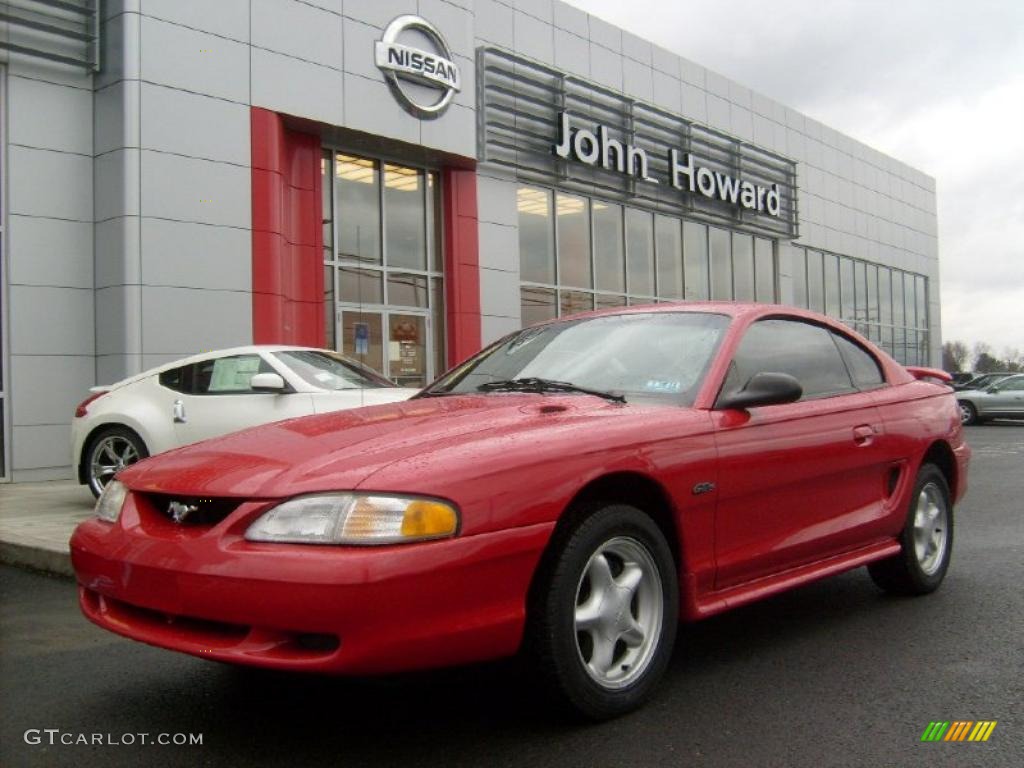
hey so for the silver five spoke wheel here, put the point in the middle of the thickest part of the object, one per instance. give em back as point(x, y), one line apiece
point(930, 528)
point(110, 455)
point(618, 615)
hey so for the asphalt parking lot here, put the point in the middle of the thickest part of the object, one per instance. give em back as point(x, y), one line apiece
point(834, 674)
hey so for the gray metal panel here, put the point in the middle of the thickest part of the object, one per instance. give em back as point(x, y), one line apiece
point(56, 30)
point(519, 105)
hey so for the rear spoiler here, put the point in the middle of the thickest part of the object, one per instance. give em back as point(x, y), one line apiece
point(929, 373)
point(100, 390)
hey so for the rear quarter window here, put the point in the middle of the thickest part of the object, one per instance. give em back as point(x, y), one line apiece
point(178, 379)
point(864, 368)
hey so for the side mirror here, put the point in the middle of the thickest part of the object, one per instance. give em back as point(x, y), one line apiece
point(267, 382)
point(763, 389)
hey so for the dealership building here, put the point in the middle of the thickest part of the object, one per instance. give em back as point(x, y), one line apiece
point(404, 181)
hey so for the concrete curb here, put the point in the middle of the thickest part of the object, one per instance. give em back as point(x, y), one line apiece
point(36, 558)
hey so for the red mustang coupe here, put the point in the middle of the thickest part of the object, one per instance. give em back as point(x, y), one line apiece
point(572, 491)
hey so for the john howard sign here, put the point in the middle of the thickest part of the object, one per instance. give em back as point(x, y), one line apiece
point(597, 148)
point(559, 130)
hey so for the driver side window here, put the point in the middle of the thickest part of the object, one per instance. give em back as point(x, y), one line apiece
point(803, 350)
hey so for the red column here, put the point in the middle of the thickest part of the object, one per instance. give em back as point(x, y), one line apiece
point(287, 237)
point(461, 263)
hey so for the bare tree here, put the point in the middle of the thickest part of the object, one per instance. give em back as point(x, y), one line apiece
point(954, 356)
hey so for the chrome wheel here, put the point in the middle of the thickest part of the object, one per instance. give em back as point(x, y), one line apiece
point(619, 612)
point(966, 413)
point(931, 529)
point(110, 454)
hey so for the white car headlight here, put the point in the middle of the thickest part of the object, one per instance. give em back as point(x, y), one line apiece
point(108, 506)
point(355, 518)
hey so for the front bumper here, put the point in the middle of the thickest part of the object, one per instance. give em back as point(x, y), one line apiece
point(355, 610)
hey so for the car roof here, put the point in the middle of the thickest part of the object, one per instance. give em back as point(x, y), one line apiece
point(201, 356)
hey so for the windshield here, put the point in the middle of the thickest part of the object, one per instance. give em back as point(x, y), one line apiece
point(332, 372)
point(659, 355)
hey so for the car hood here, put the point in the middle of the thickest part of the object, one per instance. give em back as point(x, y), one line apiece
point(340, 450)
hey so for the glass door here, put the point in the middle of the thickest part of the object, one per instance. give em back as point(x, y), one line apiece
point(396, 344)
point(383, 277)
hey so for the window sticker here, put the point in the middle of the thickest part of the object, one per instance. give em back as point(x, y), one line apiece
point(233, 374)
point(663, 385)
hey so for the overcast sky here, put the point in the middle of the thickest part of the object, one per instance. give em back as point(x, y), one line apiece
point(938, 84)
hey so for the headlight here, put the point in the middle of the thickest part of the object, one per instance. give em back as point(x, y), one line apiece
point(108, 506)
point(354, 518)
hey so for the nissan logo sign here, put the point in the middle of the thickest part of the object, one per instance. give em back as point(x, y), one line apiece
point(413, 73)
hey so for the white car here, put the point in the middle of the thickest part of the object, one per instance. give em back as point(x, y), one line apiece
point(213, 394)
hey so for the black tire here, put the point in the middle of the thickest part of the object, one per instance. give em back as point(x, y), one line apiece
point(968, 413)
point(552, 642)
point(904, 574)
point(135, 450)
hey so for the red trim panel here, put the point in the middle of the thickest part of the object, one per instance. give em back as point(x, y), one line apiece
point(287, 238)
point(461, 263)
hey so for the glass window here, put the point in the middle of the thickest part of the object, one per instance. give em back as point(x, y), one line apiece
point(831, 265)
point(609, 259)
point(922, 301)
point(695, 260)
point(660, 356)
point(847, 290)
point(405, 290)
point(178, 379)
point(407, 349)
point(405, 237)
point(537, 304)
point(639, 252)
point(764, 270)
point(815, 282)
point(363, 338)
point(872, 294)
point(798, 266)
point(329, 305)
point(860, 309)
point(885, 297)
point(357, 188)
point(437, 317)
point(721, 264)
point(435, 209)
point(863, 367)
point(574, 302)
point(669, 247)
point(573, 228)
point(898, 313)
point(536, 235)
point(386, 217)
point(360, 286)
point(909, 301)
point(228, 375)
point(743, 267)
point(608, 301)
point(327, 205)
point(803, 350)
point(331, 372)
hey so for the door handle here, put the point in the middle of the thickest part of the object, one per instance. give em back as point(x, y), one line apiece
point(864, 434)
point(179, 412)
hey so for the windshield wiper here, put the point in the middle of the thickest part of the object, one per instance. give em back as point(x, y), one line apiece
point(535, 384)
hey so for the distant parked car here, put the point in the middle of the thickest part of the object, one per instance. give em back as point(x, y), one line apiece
point(1003, 399)
point(983, 380)
point(212, 394)
point(960, 378)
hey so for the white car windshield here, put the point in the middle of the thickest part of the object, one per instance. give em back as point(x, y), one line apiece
point(659, 355)
point(330, 372)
